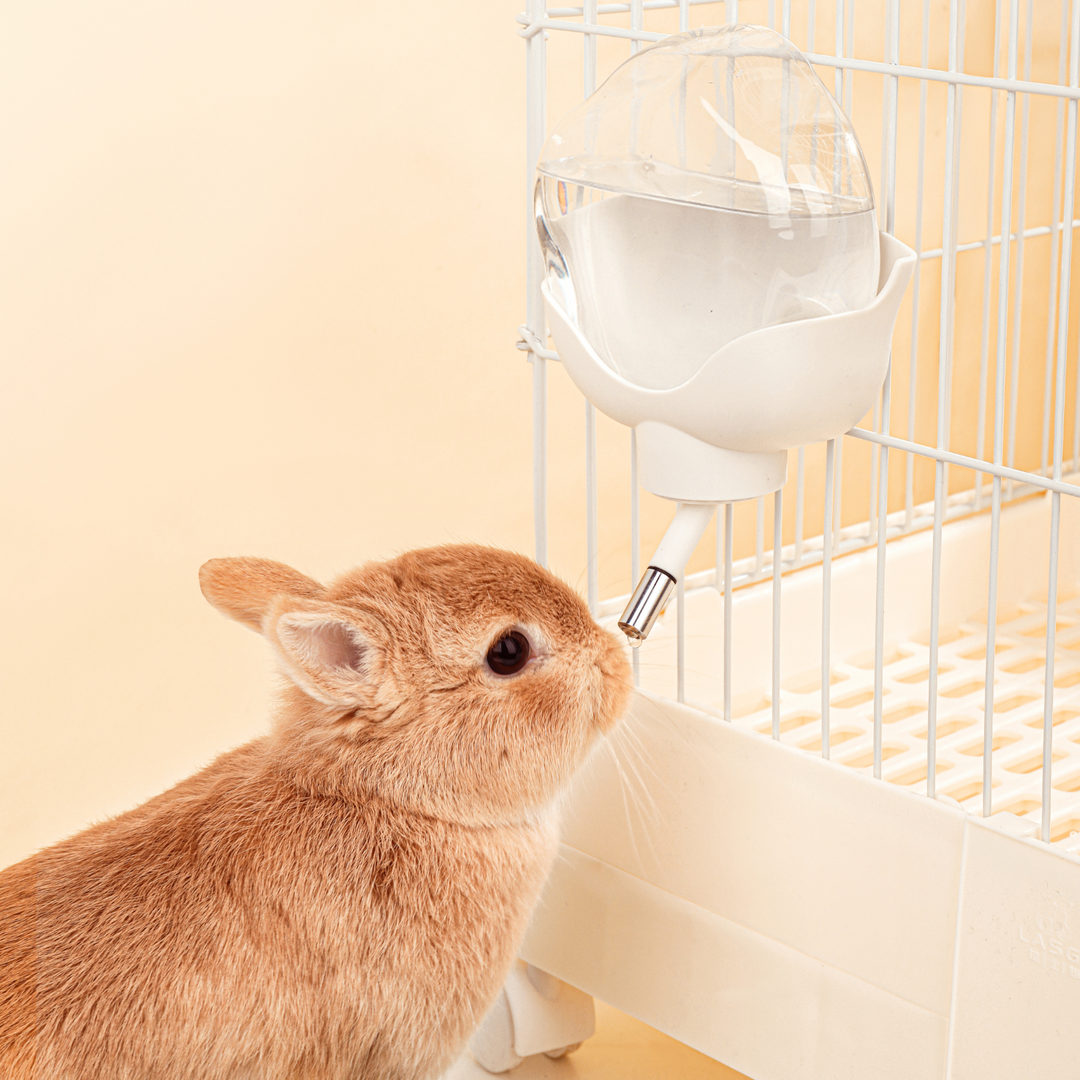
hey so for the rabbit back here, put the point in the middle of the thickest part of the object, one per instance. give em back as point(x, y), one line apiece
point(237, 927)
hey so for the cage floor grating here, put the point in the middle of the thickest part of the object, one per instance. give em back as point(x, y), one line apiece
point(1018, 716)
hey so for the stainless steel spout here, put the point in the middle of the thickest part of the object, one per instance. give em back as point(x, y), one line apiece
point(652, 593)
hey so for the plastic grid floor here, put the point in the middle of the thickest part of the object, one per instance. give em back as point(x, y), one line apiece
point(1018, 717)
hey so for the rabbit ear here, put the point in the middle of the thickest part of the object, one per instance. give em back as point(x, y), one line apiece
point(244, 589)
point(324, 651)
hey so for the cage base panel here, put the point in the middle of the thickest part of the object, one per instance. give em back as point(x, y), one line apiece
point(740, 997)
point(808, 926)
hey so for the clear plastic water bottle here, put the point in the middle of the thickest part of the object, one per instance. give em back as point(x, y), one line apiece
point(710, 187)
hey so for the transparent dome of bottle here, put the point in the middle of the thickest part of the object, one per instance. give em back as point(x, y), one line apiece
point(710, 187)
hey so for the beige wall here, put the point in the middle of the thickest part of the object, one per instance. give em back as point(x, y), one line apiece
point(261, 278)
point(261, 273)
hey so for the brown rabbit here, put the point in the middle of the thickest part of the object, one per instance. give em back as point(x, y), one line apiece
point(343, 897)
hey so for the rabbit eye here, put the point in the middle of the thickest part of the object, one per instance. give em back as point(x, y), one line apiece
point(509, 654)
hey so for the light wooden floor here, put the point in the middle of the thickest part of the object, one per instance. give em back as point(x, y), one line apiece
point(622, 1049)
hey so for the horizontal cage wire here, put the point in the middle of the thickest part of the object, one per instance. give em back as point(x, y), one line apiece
point(968, 121)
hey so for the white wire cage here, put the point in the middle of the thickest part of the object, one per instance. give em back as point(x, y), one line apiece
point(1014, 352)
point(911, 612)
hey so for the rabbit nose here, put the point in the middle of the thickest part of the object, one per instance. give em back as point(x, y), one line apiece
point(611, 659)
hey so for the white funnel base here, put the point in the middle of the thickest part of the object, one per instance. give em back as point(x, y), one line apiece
point(677, 466)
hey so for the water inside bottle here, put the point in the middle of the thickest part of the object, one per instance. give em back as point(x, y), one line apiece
point(657, 285)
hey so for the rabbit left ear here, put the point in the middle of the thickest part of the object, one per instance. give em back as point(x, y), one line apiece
point(245, 588)
point(324, 651)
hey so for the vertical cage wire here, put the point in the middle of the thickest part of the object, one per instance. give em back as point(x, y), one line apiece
point(777, 568)
point(535, 133)
point(944, 363)
point(759, 543)
point(875, 424)
point(988, 248)
point(592, 510)
point(997, 470)
point(635, 539)
point(1059, 436)
point(999, 416)
point(916, 283)
point(838, 47)
point(1057, 221)
point(680, 641)
point(826, 594)
point(953, 250)
point(838, 468)
point(637, 22)
point(729, 532)
point(1021, 211)
point(890, 105)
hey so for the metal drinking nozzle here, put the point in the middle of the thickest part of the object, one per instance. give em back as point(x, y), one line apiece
point(657, 584)
point(652, 593)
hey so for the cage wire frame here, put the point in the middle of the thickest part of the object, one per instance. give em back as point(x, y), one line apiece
point(997, 479)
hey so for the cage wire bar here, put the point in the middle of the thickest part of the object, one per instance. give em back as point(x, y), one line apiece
point(997, 480)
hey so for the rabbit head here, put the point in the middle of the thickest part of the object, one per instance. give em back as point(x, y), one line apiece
point(461, 682)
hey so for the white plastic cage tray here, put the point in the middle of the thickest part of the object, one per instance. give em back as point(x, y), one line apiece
point(793, 917)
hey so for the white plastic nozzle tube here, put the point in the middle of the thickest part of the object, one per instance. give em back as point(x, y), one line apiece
point(665, 568)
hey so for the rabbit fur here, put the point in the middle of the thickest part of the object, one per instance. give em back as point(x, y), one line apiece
point(342, 898)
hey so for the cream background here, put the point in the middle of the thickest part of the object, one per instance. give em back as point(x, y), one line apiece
point(261, 269)
point(261, 275)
